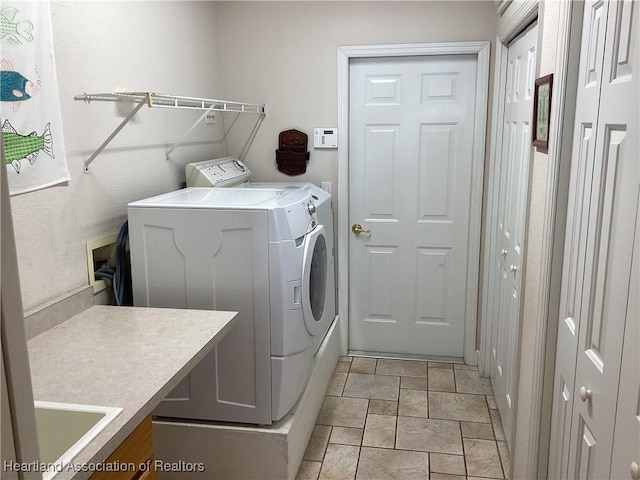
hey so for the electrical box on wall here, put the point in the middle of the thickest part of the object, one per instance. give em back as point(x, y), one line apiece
point(325, 137)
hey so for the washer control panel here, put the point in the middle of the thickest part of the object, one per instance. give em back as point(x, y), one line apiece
point(219, 172)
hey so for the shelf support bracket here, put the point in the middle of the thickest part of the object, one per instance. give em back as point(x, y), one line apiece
point(88, 161)
point(186, 134)
point(252, 136)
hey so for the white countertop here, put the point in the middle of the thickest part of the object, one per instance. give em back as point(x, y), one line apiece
point(124, 357)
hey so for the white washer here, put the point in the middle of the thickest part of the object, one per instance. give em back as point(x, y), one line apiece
point(260, 252)
point(318, 327)
point(231, 172)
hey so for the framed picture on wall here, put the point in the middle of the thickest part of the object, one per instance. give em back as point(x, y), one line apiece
point(542, 111)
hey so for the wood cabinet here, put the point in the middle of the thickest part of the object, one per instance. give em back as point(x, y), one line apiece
point(136, 450)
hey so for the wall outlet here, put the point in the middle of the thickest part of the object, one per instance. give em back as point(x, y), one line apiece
point(210, 119)
point(101, 251)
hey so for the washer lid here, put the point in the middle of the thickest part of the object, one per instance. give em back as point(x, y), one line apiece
point(242, 198)
point(319, 195)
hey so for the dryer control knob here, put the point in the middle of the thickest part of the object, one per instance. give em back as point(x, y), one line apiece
point(312, 208)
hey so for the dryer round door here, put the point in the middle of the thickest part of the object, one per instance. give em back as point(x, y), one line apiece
point(314, 279)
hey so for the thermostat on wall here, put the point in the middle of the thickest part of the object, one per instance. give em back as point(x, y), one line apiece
point(325, 137)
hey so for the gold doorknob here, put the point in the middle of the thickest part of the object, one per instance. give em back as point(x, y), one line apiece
point(357, 229)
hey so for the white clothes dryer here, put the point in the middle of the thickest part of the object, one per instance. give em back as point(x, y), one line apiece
point(231, 172)
point(259, 251)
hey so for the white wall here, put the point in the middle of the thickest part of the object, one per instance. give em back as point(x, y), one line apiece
point(279, 53)
point(167, 47)
point(284, 54)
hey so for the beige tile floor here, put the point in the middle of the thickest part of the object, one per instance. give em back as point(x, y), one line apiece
point(403, 420)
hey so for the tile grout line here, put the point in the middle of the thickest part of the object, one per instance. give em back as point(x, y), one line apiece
point(455, 384)
point(428, 403)
point(355, 475)
point(395, 439)
point(326, 447)
point(395, 436)
point(464, 455)
point(504, 474)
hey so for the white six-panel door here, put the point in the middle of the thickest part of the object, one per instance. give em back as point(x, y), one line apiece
point(601, 221)
point(410, 164)
point(507, 258)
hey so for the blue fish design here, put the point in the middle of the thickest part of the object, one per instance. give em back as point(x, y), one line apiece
point(14, 87)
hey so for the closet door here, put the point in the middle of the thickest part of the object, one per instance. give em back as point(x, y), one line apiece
point(626, 444)
point(599, 244)
point(612, 213)
point(510, 224)
point(625, 463)
point(574, 262)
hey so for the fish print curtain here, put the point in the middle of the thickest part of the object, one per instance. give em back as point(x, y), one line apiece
point(30, 106)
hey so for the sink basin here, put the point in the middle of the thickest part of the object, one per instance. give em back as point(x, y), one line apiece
point(66, 428)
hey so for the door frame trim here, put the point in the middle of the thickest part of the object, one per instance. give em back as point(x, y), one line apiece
point(16, 391)
point(481, 50)
point(538, 420)
point(514, 19)
point(493, 165)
